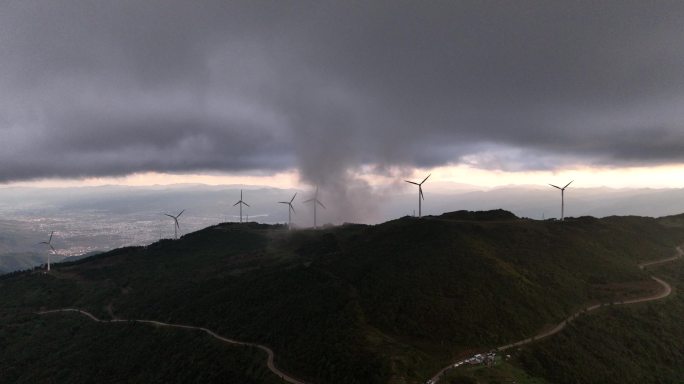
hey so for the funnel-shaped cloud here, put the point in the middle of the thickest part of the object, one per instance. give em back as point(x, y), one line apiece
point(98, 88)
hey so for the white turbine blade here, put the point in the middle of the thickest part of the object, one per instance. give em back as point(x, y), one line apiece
point(283, 202)
point(292, 208)
point(53, 248)
point(555, 186)
point(166, 214)
point(308, 201)
point(177, 225)
point(420, 191)
point(566, 185)
point(426, 178)
point(180, 213)
point(245, 203)
point(293, 197)
point(411, 182)
point(321, 204)
point(237, 203)
point(51, 233)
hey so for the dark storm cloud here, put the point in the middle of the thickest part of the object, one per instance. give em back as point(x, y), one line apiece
point(112, 87)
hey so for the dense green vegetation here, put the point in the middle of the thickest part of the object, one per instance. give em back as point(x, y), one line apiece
point(68, 348)
point(350, 304)
point(620, 344)
point(635, 344)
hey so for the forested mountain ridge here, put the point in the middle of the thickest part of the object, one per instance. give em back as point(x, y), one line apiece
point(388, 303)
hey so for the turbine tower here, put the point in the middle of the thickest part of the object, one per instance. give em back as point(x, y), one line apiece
point(420, 193)
point(315, 202)
point(290, 210)
point(562, 198)
point(49, 244)
point(176, 226)
point(241, 203)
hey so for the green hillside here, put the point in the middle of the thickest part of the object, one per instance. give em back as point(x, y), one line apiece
point(630, 345)
point(390, 303)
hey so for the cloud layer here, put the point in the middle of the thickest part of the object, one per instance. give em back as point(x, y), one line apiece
point(100, 88)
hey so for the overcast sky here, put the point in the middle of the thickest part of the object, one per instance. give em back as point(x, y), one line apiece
point(111, 88)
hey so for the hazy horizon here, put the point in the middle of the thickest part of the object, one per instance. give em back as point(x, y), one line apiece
point(87, 219)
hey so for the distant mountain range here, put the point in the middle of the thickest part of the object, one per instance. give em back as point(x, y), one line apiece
point(107, 217)
point(217, 201)
point(10, 262)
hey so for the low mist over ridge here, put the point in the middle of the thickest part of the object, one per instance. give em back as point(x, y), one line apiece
point(217, 201)
point(100, 218)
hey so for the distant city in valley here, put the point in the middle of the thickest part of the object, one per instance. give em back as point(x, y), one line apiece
point(92, 219)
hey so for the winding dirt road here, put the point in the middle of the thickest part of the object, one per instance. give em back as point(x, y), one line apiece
point(665, 292)
point(269, 352)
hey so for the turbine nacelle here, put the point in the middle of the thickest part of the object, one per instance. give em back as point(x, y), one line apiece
point(562, 189)
point(420, 192)
point(289, 203)
point(49, 244)
point(290, 210)
point(176, 224)
point(315, 202)
point(241, 203)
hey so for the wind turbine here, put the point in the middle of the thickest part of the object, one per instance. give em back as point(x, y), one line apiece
point(315, 202)
point(420, 193)
point(289, 210)
point(241, 203)
point(176, 227)
point(562, 198)
point(49, 244)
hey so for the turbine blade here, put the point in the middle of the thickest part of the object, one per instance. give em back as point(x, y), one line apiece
point(51, 233)
point(566, 185)
point(411, 182)
point(308, 201)
point(420, 191)
point(245, 203)
point(283, 202)
point(180, 213)
point(555, 186)
point(426, 178)
point(321, 204)
point(293, 197)
point(292, 208)
point(53, 248)
point(166, 214)
point(237, 203)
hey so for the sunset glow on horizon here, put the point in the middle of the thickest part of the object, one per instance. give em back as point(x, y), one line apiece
point(442, 179)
